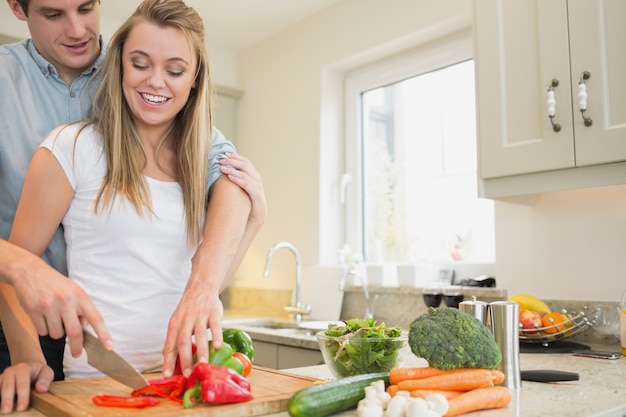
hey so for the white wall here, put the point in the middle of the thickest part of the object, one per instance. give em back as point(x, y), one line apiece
point(223, 59)
point(565, 245)
point(290, 127)
point(569, 245)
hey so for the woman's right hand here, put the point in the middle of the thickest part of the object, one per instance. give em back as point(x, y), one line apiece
point(16, 382)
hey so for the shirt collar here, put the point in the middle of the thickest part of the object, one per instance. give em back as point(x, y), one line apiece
point(48, 68)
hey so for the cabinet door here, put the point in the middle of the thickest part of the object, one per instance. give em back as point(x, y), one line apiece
point(292, 357)
point(597, 32)
point(266, 354)
point(520, 47)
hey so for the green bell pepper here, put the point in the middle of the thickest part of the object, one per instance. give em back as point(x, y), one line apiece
point(224, 357)
point(240, 341)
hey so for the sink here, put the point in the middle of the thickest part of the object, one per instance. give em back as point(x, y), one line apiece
point(303, 327)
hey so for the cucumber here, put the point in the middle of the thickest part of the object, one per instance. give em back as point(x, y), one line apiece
point(334, 396)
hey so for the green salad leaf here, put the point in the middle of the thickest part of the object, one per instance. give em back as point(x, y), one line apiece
point(363, 346)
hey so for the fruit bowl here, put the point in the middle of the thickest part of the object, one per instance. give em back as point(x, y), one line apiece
point(575, 323)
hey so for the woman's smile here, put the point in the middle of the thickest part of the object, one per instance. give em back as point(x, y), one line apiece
point(154, 99)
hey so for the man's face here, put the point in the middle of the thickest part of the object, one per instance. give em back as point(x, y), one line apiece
point(65, 32)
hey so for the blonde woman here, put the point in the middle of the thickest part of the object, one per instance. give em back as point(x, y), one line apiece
point(129, 188)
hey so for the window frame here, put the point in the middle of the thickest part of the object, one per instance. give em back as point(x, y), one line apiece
point(430, 56)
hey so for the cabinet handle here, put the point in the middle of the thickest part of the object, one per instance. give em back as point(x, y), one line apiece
point(582, 97)
point(552, 105)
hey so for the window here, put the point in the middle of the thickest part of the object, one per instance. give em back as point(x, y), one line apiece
point(412, 149)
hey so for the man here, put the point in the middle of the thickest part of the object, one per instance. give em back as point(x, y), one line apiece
point(47, 81)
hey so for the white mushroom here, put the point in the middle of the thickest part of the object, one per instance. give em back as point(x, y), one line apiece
point(369, 408)
point(415, 407)
point(379, 385)
point(403, 393)
point(438, 403)
point(395, 408)
point(372, 395)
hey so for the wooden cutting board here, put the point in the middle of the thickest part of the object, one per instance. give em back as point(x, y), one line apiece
point(271, 390)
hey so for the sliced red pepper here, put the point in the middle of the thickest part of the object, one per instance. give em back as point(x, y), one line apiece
point(245, 361)
point(123, 401)
point(171, 388)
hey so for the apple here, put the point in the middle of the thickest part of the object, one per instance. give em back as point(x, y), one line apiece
point(530, 321)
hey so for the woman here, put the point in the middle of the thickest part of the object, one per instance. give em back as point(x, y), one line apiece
point(129, 188)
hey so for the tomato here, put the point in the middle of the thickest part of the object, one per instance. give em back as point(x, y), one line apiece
point(245, 361)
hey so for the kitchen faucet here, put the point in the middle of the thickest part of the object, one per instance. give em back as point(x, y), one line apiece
point(349, 260)
point(296, 308)
point(369, 301)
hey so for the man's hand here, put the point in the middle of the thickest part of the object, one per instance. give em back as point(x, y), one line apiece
point(59, 307)
point(240, 171)
point(16, 382)
point(56, 305)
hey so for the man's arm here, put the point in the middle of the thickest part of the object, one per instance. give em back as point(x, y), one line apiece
point(57, 304)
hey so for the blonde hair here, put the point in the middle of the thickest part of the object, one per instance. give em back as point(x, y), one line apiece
point(190, 133)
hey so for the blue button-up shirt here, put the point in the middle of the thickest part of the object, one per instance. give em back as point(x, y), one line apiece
point(33, 101)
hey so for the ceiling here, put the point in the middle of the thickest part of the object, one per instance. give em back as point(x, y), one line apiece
point(235, 23)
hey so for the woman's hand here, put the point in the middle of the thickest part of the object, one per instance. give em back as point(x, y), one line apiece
point(199, 309)
point(16, 382)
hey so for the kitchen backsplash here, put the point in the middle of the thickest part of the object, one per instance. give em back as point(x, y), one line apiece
point(401, 305)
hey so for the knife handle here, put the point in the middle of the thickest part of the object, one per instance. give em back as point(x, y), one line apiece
point(548, 375)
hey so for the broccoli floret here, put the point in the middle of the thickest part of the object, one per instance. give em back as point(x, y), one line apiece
point(449, 339)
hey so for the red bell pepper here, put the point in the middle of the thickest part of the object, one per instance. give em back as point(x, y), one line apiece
point(171, 388)
point(124, 401)
point(177, 368)
point(216, 384)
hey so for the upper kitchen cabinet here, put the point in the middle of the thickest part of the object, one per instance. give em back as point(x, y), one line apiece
point(551, 92)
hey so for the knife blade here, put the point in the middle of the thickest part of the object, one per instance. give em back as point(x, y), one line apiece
point(110, 363)
point(548, 375)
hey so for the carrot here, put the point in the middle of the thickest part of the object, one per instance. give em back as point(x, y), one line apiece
point(402, 374)
point(423, 393)
point(498, 376)
point(461, 380)
point(392, 389)
point(478, 399)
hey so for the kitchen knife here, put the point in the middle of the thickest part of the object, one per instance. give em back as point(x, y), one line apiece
point(110, 363)
point(548, 375)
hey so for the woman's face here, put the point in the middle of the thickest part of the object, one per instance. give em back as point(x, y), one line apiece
point(159, 69)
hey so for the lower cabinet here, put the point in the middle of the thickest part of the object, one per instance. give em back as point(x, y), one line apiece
point(275, 356)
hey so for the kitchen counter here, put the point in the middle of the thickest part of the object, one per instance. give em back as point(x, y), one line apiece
point(600, 391)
